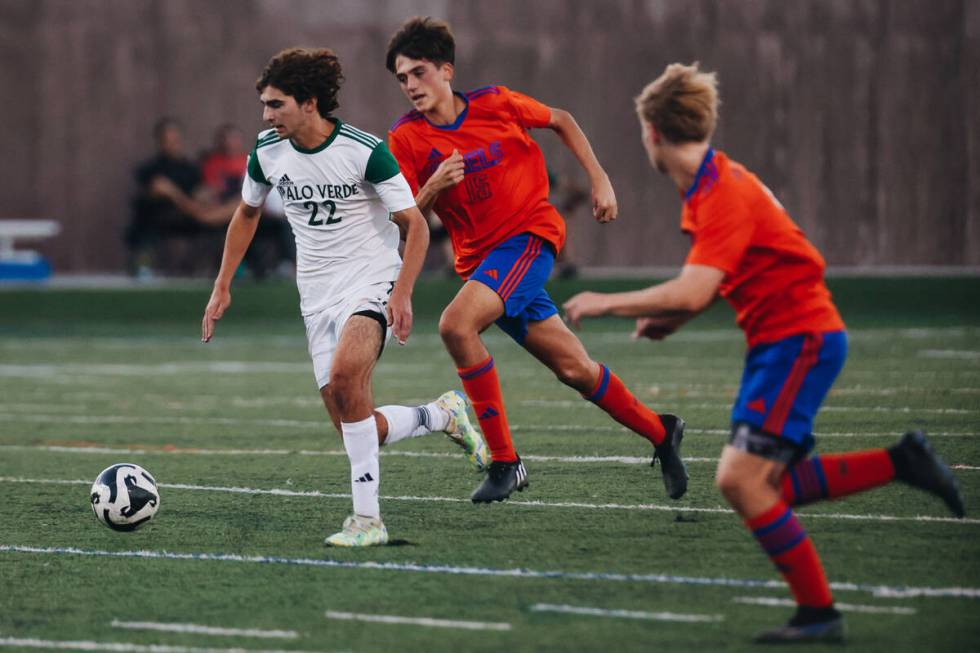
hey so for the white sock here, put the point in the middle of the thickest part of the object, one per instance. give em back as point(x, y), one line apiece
point(413, 421)
point(361, 443)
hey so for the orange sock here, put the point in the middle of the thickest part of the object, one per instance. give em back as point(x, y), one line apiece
point(612, 396)
point(836, 475)
point(483, 388)
point(790, 549)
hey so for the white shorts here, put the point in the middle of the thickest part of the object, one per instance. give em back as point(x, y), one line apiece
point(323, 329)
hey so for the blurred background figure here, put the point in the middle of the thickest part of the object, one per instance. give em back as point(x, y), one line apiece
point(181, 210)
point(163, 210)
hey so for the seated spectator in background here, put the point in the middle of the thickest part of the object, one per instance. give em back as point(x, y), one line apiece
point(223, 168)
point(156, 215)
point(179, 200)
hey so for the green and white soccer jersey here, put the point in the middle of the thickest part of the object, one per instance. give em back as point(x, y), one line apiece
point(338, 198)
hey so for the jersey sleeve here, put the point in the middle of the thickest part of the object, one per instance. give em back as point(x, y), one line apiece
point(528, 112)
point(255, 187)
point(403, 155)
point(395, 193)
point(723, 233)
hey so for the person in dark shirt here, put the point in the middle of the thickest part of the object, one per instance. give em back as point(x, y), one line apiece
point(156, 217)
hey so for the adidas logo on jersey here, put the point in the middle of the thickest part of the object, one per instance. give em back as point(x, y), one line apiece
point(491, 273)
point(367, 478)
point(758, 405)
point(285, 183)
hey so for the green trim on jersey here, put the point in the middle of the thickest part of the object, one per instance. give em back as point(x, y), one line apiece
point(381, 165)
point(268, 137)
point(322, 146)
point(363, 138)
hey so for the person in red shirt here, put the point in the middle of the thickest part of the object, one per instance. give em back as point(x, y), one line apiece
point(469, 157)
point(746, 248)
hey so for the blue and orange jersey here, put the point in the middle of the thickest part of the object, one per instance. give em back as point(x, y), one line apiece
point(505, 188)
point(773, 275)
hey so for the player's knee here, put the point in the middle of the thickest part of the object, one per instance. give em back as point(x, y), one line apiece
point(731, 484)
point(344, 385)
point(453, 330)
point(575, 375)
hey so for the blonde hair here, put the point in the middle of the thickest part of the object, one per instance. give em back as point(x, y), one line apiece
point(681, 104)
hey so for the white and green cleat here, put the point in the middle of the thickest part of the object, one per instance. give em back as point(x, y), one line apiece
point(461, 431)
point(360, 531)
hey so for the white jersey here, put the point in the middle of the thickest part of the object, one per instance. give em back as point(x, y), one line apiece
point(338, 198)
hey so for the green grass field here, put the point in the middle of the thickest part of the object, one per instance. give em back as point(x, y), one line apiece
point(253, 477)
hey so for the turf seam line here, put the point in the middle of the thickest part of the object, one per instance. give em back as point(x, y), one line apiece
point(199, 629)
point(417, 621)
point(626, 614)
point(771, 601)
point(515, 502)
point(875, 590)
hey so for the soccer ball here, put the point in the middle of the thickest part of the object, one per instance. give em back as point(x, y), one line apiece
point(124, 497)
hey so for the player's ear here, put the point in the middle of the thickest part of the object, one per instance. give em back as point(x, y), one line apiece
point(448, 71)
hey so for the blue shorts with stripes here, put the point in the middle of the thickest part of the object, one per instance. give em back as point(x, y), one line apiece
point(785, 382)
point(517, 270)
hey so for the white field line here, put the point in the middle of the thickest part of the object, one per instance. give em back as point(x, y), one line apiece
point(643, 507)
point(566, 403)
point(417, 621)
point(843, 607)
point(320, 424)
point(627, 614)
point(874, 590)
point(174, 451)
point(198, 629)
point(123, 647)
point(950, 354)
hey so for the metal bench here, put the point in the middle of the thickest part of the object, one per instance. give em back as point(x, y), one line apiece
point(24, 264)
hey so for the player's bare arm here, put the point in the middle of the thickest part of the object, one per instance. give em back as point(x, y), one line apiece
point(604, 206)
point(449, 173)
point(241, 230)
point(671, 303)
point(416, 235)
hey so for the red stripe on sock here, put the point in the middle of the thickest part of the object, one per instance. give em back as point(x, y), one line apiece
point(800, 565)
point(626, 409)
point(483, 389)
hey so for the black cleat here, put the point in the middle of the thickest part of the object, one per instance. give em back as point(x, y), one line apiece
point(918, 465)
point(502, 479)
point(669, 454)
point(807, 625)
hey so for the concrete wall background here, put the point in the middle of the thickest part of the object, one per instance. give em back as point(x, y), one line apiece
point(863, 116)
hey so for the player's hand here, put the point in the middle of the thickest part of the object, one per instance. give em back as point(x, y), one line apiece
point(217, 305)
point(653, 328)
point(584, 304)
point(604, 206)
point(449, 173)
point(400, 316)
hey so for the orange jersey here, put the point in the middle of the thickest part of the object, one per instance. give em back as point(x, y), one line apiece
point(773, 275)
point(505, 188)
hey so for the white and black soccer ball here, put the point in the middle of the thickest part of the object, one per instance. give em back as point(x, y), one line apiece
point(124, 497)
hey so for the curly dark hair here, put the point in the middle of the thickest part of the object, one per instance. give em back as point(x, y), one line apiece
point(422, 38)
point(305, 73)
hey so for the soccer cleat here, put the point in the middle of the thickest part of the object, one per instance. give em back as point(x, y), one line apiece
point(669, 453)
point(461, 431)
point(807, 625)
point(502, 479)
point(918, 465)
point(360, 531)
